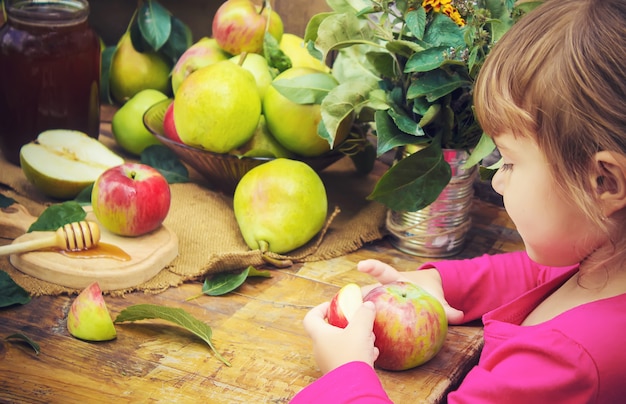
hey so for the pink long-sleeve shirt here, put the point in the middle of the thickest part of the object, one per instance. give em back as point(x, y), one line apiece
point(576, 357)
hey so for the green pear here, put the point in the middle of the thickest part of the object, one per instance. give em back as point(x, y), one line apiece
point(89, 318)
point(132, 71)
point(294, 47)
point(61, 163)
point(295, 125)
point(280, 205)
point(217, 108)
point(204, 52)
point(262, 144)
point(127, 124)
point(257, 65)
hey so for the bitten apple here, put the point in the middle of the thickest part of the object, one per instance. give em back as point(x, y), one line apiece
point(131, 199)
point(410, 325)
point(239, 27)
point(89, 318)
point(169, 127)
point(344, 304)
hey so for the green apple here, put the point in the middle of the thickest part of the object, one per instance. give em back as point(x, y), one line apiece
point(257, 65)
point(280, 205)
point(204, 52)
point(132, 71)
point(239, 26)
point(294, 125)
point(262, 144)
point(127, 124)
point(294, 47)
point(61, 163)
point(218, 107)
point(89, 318)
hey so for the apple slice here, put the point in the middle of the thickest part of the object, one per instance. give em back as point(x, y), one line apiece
point(344, 304)
point(89, 318)
point(61, 163)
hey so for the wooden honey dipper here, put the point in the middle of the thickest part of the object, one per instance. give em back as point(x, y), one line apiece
point(74, 236)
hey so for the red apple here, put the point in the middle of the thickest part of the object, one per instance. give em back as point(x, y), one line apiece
point(169, 128)
point(89, 318)
point(410, 325)
point(131, 199)
point(344, 304)
point(239, 27)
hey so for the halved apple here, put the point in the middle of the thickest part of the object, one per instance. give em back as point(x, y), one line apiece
point(344, 304)
point(61, 163)
point(89, 318)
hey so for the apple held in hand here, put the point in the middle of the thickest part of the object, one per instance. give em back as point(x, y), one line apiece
point(344, 304)
point(88, 318)
point(239, 27)
point(131, 199)
point(410, 325)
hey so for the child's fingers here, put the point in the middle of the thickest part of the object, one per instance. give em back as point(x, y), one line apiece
point(316, 318)
point(383, 273)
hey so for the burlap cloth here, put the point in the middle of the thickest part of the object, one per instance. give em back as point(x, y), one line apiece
point(209, 238)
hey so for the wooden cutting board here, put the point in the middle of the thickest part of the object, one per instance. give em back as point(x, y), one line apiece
point(148, 255)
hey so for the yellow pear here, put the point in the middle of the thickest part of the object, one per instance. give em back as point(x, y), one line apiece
point(61, 163)
point(257, 65)
point(133, 71)
point(294, 47)
point(217, 107)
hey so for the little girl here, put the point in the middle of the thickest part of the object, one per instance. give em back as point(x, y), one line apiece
point(552, 94)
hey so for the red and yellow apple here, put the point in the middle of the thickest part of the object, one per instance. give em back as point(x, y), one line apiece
point(344, 304)
point(204, 52)
point(89, 318)
point(169, 127)
point(410, 325)
point(239, 26)
point(131, 199)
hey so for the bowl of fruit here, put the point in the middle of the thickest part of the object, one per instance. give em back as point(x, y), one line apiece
point(224, 170)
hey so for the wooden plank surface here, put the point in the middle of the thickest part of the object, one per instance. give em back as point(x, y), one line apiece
point(258, 329)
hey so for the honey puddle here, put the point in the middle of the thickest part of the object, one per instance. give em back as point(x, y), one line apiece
point(101, 250)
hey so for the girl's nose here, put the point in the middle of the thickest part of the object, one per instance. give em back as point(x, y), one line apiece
point(497, 182)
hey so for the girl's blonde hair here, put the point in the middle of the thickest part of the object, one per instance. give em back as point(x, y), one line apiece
point(559, 76)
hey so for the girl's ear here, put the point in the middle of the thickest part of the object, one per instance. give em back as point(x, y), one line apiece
point(609, 180)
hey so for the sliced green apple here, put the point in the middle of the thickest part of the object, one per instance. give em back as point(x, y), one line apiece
point(61, 163)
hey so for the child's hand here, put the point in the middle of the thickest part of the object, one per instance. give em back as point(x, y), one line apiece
point(428, 279)
point(333, 346)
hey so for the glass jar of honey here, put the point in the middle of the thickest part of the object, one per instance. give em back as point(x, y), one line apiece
point(49, 72)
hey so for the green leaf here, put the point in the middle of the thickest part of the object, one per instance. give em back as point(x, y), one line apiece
point(414, 182)
point(416, 22)
point(342, 30)
point(426, 60)
point(484, 148)
point(154, 23)
point(365, 159)
point(275, 57)
point(442, 31)
point(389, 135)
point(405, 123)
point(310, 32)
point(24, 338)
point(436, 84)
point(58, 215)
point(107, 56)
point(167, 162)
point(10, 292)
point(178, 42)
point(308, 89)
point(224, 282)
point(5, 201)
point(84, 196)
point(403, 47)
point(174, 315)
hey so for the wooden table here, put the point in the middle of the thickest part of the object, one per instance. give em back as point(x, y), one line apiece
point(258, 329)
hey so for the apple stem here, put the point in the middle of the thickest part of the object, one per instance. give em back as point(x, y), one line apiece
point(242, 58)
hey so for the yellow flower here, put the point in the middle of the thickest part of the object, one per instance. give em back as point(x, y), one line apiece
point(445, 7)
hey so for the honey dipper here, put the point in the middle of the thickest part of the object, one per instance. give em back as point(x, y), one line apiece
point(73, 237)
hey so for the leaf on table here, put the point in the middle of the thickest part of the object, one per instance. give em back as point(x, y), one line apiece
point(174, 315)
point(226, 282)
point(58, 215)
point(10, 292)
point(167, 162)
point(24, 338)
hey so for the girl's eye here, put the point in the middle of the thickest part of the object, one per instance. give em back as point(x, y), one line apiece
point(506, 167)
